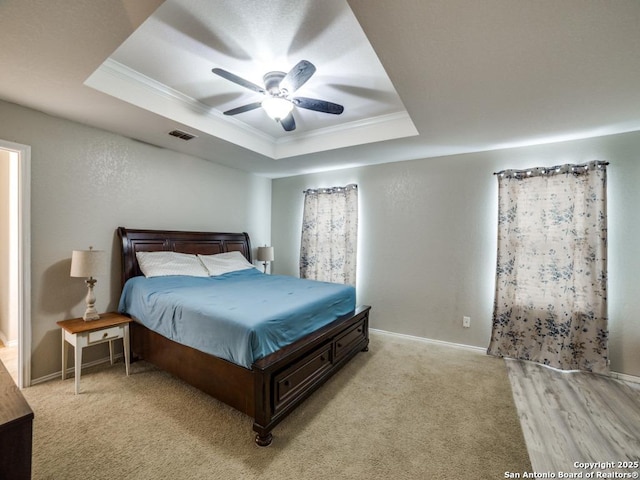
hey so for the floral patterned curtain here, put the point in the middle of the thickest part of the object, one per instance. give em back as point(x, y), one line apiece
point(551, 280)
point(329, 235)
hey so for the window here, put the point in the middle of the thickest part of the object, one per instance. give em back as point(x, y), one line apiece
point(551, 278)
point(328, 248)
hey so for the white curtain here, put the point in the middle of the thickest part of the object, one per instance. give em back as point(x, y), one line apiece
point(328, 248)
point(551, 279)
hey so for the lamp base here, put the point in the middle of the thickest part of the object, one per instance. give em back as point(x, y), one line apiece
point(90, 315)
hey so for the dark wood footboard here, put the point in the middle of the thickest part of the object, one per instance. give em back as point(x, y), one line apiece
point(286, 377)
point(276, 384)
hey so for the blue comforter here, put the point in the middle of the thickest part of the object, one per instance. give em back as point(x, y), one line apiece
point(239, 316)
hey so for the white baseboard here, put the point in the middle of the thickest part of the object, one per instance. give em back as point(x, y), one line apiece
point(624, 377)
point(71, 371)
point(429, 340)
point(619, 376)
point(7, 343)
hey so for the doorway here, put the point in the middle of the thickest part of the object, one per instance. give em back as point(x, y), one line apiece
point(15, 320)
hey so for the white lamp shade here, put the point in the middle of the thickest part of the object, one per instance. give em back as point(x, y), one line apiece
point(277, 107)
point(265, 254)
point(88, 263)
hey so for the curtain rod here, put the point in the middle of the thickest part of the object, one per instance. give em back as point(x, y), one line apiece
point(352, 186)
point(566, 168)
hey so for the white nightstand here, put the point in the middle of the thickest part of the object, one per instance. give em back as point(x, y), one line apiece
point(81, 333)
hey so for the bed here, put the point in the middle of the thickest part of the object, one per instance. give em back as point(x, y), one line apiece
point(272, 386)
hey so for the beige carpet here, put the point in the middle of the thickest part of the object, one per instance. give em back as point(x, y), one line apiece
point(403, 410)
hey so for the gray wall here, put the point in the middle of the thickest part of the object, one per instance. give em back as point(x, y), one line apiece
point(427, 228)
point(85, 183)
point(427, 238)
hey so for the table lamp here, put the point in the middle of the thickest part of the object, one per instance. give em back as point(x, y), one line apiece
point(265, 254)
point(88, 264)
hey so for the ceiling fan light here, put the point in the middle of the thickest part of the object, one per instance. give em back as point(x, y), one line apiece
point(277, 107)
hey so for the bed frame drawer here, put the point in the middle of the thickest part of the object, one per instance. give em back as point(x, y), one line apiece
point(301, 375)
point(344, 343)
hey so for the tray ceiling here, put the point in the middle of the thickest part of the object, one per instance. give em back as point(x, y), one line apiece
point(165, 67)
point(473, 76)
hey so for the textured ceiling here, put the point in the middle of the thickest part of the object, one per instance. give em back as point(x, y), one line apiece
point(472, 76)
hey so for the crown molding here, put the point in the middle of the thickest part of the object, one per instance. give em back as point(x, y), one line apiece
point(129, 85)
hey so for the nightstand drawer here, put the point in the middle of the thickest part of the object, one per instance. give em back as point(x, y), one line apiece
point(106, 334)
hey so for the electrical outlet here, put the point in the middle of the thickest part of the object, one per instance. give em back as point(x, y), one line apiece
point(466, 322)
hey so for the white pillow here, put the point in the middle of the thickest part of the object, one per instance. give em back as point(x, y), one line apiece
point(160, 264)
point(225, 263)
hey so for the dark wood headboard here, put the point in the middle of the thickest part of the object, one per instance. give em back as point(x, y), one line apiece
point(205, 243)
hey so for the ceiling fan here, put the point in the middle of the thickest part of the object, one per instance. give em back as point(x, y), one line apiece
point(278, 88)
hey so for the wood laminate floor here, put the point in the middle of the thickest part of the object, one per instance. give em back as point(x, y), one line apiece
point(572, 420)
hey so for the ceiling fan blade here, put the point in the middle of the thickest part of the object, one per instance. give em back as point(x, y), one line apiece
point(288, 123)
point(318, 105)
point(297, 76)
point(244, 108)
point(238, 80)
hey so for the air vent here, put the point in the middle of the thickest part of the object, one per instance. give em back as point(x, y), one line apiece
point(183, 135)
